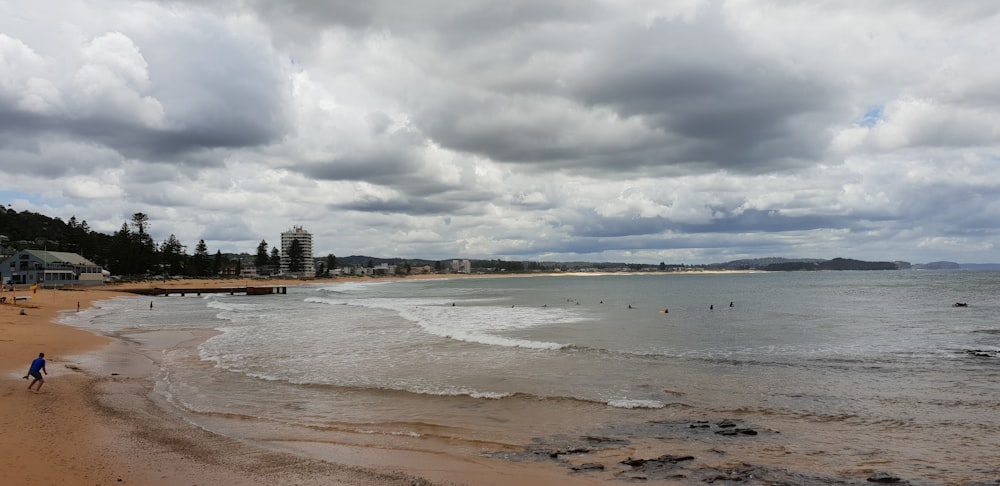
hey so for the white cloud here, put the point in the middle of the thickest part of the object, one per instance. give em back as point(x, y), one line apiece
point(112, 82)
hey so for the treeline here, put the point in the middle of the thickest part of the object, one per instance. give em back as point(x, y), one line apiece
point(131, 251)
point(32, 230)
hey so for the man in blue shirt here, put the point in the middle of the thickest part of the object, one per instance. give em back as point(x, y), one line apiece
point(36, 370)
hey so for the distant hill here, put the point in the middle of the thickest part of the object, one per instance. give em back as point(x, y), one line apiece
point(848, 264)
point(776, 264)
point(762, 263)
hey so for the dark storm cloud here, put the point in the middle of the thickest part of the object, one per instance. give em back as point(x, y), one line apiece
point(380, 166)
point(219, 89)
point(468, 126)
point(128, 139)
point(694, 94)
point(733, 109)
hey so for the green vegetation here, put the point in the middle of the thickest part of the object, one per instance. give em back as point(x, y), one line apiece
point(129, 252)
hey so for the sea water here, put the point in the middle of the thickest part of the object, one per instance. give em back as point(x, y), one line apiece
point(850, 368)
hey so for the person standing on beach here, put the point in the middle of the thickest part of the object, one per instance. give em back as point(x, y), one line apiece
point(36, 370)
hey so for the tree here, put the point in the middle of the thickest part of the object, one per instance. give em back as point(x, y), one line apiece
point(262, 258)
point(275, 256)
point(140, 221)
point(295, 257)
point(199, 261)
point(143, 247)
point(217, 263)
point(172, 255)
point(331, 263)
point(121, 251)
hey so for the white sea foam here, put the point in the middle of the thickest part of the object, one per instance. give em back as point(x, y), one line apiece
point(406, 433)
point(347, 287)
point(470, 320)
point(627, 403)
point(460, 391)
point(486, 324)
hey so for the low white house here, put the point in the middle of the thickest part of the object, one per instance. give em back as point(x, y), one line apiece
point(45, 267)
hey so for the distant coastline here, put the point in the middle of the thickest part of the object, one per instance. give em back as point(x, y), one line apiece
point(282, 281)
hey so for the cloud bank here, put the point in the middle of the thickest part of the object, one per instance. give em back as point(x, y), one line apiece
point(690, 132)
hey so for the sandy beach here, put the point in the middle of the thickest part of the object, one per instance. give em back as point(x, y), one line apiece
point(97, 425)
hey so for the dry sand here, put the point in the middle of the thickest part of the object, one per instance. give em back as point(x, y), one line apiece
point(90, 427)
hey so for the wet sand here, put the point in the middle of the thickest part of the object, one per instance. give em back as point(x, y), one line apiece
point(94, 421)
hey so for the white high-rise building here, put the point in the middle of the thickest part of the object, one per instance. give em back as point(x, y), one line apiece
point(306, 244)
point(461, 266)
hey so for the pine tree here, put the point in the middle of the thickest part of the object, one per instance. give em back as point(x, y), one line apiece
point(262, 258)
point(295, 257)
point(200, 260)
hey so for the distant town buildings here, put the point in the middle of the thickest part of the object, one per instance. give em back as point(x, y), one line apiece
point(305, 244)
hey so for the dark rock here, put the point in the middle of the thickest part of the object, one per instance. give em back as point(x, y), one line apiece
point(884, 478)
point(598, 440)
point(665, 459)
point(579, 450)
point(634, 462)
point(736, 431)
point(589, 466)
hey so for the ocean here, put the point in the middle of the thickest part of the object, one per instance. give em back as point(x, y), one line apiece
point(831, 374)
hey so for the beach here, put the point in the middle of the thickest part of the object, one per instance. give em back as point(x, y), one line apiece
point(98, 426)
point(553, 380)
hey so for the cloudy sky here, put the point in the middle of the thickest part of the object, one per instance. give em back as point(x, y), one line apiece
point(617, 130)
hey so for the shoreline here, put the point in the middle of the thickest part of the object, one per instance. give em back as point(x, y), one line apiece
point(95, 420)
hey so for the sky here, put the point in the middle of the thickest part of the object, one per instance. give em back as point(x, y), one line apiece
point(548, 130)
